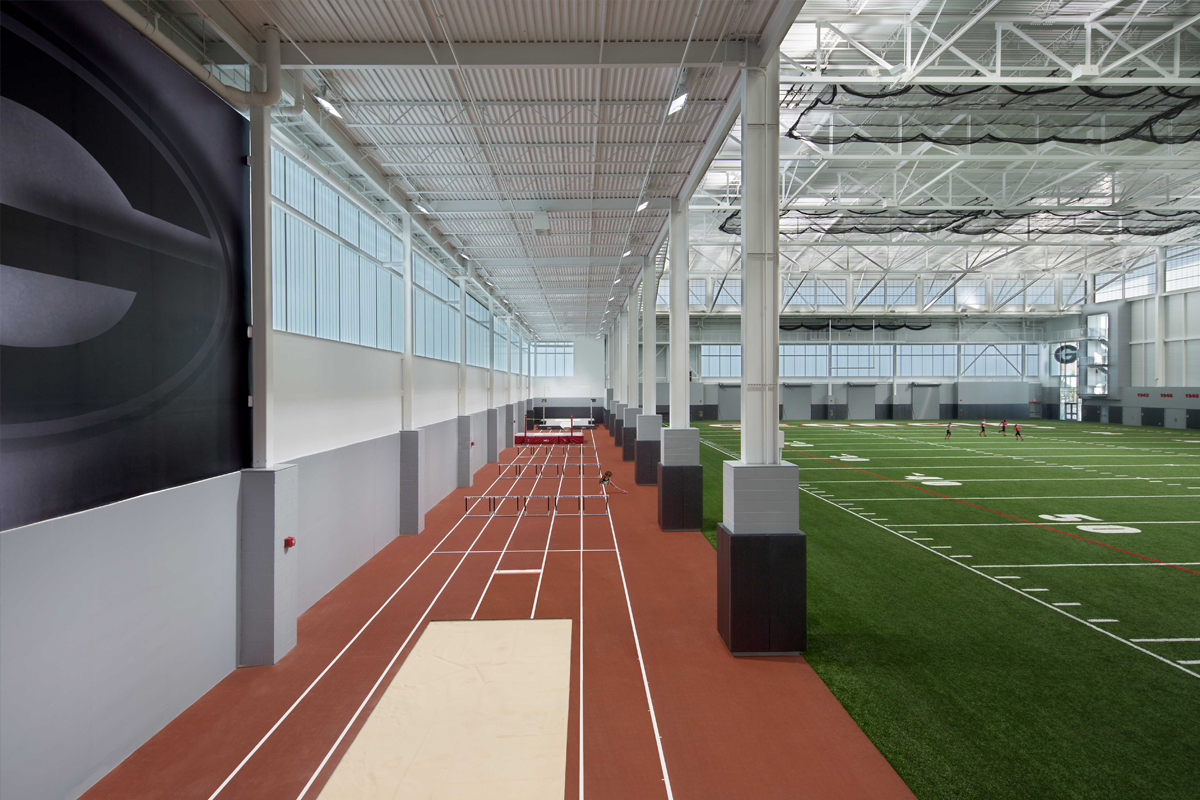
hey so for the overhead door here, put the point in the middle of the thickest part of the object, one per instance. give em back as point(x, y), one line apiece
point(861, 402)
point(797, 402)
point(925, 402)
point(729, 403)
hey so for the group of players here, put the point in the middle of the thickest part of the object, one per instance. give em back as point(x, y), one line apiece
point(983, 429)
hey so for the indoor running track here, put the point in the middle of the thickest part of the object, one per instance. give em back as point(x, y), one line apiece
point(666, 711)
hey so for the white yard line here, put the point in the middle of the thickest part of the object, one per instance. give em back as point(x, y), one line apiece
point(1042, 524)
point(1025, 497)
point(993, 579)
point(1186, 639)
point(1117, 564)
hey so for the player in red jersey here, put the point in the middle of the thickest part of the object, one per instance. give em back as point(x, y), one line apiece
point(1017, 431)
point(948, 424)
point(1004, 427)
point(983, 427)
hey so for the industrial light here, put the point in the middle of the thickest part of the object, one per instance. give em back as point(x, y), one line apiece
point(611, 299)
point(328, 106)
point(465, 256)
point(643, 205)
point(626, 253)
point(421, 208)
point(676, 104)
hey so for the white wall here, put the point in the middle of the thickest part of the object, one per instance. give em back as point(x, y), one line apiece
point(436, 391)
point(588, 380)
point(330, 394)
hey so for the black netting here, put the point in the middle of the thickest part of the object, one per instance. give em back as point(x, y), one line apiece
point(853, 326)
point(958, 116)
point(975, 223)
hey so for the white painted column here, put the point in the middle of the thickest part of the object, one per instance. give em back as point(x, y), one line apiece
point(1160, 316)
point(261, 302)
point(760, 265)
point(407, 377)
point(619, 355)
point(680, 346)
point(491, 396)
point(631, 343)
point(649, 338)
point(462, 345)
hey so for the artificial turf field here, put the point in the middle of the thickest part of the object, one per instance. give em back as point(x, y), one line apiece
point(990, 644)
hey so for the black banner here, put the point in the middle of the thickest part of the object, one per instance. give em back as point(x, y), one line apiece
point(123, 267)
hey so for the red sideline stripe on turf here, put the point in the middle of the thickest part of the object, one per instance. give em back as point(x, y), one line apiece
point(1003, 514)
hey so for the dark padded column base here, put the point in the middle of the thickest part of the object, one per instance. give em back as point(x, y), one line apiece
point(645, 457)
point(680, 497)
point(629, 444)
point(761, 592)
point(618, 430)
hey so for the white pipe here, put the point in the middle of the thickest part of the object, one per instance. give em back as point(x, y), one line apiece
point(297, 107)
point(235, 97)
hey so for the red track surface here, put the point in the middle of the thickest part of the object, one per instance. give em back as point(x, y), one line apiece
point(730, 728)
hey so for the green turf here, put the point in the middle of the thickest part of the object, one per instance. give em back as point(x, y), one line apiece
point(972, 689)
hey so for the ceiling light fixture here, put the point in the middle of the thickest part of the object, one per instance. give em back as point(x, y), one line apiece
point(421, 208)
point(642, 205)
point(328, 106)
point(626, 253)
point(679, 99)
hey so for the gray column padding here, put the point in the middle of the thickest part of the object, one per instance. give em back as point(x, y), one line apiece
point(463, 448)
point(266, 568)
point(629, 418)
point(412, 453)
point(493, 435)
point(649, 427)
point(680, 447)
point(509, 424)
point(761, 498)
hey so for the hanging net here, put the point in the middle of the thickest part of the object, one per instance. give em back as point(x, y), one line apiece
point(1140, 222)
point(959, 116)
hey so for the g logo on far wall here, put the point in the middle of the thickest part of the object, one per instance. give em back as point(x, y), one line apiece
point(1066, 354)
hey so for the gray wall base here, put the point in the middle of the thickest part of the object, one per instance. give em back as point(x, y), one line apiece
point(464, 452)
point(680, 447)
point(267, 569)
point(680, 497)
point(761, 498)
point(412, 453)
point(645, 462)
point(629, 432)
point(493, 435)
point(509, 424)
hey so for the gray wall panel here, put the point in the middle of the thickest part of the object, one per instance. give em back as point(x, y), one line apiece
point(439, 476)
point(112, 622)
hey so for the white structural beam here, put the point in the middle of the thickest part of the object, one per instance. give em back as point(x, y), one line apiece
point(492, 55)
point(262, 330)
point(631, 348)
point(649, 338)
point(680, 348)
point(407, 359)
point(760, 266)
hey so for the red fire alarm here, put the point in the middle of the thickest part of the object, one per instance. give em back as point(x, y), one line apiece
point(289, 542)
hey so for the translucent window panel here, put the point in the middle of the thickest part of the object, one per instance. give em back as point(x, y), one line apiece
point(926, 360)
point(1183, 271)
point(940, 292)
point(803, 360)
point(327, 211)
point(1008, 291)
point(1033, 360)
point(398, 332)
point(421, 323)
point(279, 268)
point(730, 292)
point(861, 360)
point(802, 294)
point(901, 291)
point(328, 287)
point(366, 234)
point(992, 360)
point(367, 309)
point(721, 360)
point(1097, 326)
point(1040, 292)
point(348, 299)
point(1073, 289)
point(500, 344)
point(301, 277)
point(383, 244)
point(383, 309)
point(278, 174)
point(1108, 286)
point(869, 292)
point(664, 290)
point(300, 186)
point(696, 292)
point(397, 253)
point(1142, 279)
point(971, 292)
point(831, 292)
point(348, 214)
point(514, 353)
point(554, 359)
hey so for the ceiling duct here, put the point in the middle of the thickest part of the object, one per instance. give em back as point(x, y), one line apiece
point(541, 223)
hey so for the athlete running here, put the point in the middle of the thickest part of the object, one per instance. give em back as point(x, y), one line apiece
point(1004, 427)
point(983, 427)
point(606, 481)
point(948, 424)
point(1017, 431)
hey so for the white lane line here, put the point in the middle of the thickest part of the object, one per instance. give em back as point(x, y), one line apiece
point(941, 547)
point(960, 556)
point(662, 759)
point(1104, 620)
point(1189, 662)
point(1008, 577)
point(1116, 564)
point(991, 578)
point(1187, 639)
point(517, 572)
point(1070, 604)
point(1039, 590)
point(922, 539)
point(549, 535)
point(353, 639)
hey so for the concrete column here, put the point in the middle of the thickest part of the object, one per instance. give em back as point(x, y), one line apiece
point(267, 564)
point(649, 338)
point(493, 435)
point(1160, 319)
point(462, 347)
point(632, 398)
point(464, 451)
point(412, 462)
point(680, 346)
point(760, 548)
point(407, 359)
point(262, 413)
point(491, 397)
